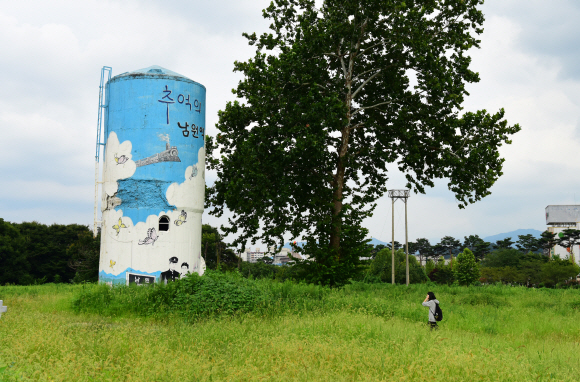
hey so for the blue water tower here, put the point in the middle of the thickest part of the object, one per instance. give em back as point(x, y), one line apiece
point(153, 179)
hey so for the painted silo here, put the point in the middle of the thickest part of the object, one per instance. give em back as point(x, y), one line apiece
point(153, 177)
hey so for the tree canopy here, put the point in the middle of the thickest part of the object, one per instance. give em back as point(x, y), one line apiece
point(333, 96)
point(450, 245)
point(423, 247)
point(527, 243)
point(477, 245)
point(504, 243)
point(547, 242)
point(212, 246)
point(31, 252)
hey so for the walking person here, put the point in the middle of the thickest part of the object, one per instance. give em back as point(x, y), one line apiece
point(431, 302)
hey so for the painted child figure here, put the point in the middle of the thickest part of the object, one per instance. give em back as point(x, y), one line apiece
point(184, 269)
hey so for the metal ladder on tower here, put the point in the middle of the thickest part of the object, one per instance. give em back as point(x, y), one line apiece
point(103, 101)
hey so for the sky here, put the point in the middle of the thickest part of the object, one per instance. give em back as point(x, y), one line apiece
point(52, 54)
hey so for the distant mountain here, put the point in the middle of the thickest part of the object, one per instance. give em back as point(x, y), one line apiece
point(375, 241)
point(513, 235)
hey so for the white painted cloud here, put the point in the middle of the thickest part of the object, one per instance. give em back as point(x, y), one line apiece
point(192, 190)
point(118, 164)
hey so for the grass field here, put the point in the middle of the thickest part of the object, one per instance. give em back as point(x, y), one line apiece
point(297, 332)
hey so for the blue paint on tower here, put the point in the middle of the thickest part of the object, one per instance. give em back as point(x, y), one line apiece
point(143, 197)
point(162, 114)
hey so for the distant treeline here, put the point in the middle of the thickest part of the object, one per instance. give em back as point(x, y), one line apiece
point(35, 253)
point(450, 246)
point(526, 261)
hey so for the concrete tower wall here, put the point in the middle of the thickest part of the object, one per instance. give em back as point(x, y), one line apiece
point(153, 177)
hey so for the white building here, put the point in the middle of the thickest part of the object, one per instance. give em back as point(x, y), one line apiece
point(253, 256)
point(280, 258)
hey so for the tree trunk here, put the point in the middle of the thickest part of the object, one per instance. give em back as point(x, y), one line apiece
point(341, 165)
point(337, 201)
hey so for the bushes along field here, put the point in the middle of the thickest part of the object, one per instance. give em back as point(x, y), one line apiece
point(484, 309)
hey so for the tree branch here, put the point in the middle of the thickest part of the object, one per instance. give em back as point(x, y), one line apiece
point(364, 83)
point(444, 150)
point(365, 72)
point(360, 124)
point(370, 47)
point(371, 107)
point(342, 58)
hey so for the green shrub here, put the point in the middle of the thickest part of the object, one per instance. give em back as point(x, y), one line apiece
point(465, 269)
point(381, 268)
point(215, 294)
point(442, 274)
point(194, 296)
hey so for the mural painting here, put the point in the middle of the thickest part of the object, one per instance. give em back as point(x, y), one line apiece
point(171, 274)
point(117, 227)
point(153, 154)
point(122, 159)
point(181, 219)
point(139, 279)
point(184, 269)
point(151, 237)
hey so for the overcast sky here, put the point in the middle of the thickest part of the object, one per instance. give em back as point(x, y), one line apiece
point(52, 53)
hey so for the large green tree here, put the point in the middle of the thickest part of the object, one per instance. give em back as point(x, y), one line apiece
point(504, 243)
point(547, 241)
point(333, 96)
point(451, 245)
point(477, 245)
point(214, 247)
point(424, 249)
point(397, 245)
point(527, 243)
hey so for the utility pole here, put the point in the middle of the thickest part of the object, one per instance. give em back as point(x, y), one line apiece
point(406, 242)
point(403, 195)
point(393, 240)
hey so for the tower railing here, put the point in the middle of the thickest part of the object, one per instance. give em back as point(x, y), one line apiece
point(103, 101)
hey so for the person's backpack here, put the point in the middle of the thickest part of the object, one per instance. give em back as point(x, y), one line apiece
point(438, 313)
